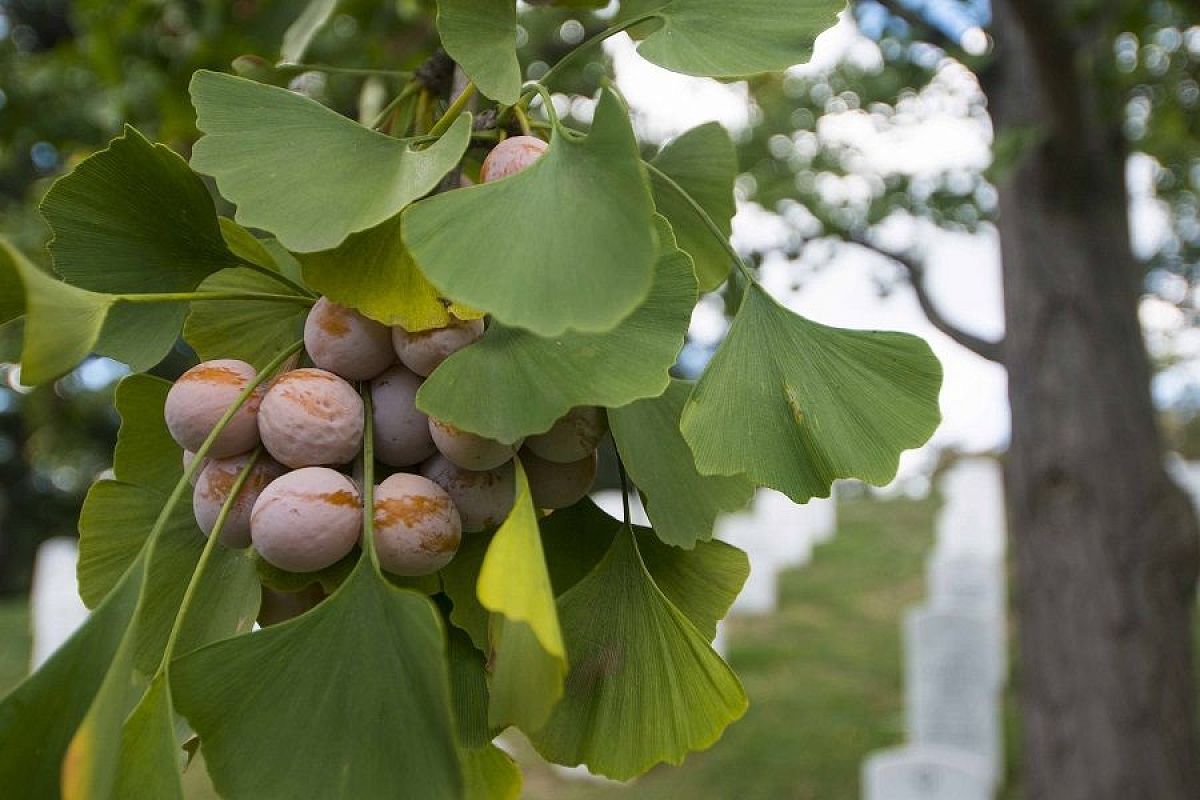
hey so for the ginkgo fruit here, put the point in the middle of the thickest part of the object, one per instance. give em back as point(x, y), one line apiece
point(214, 486)
point(572, 437)
point(469, 450)
point(556, 485)
point(510, 157)
point(402, 436)
point(346, 343)
point(307, 520)
point(424, 351)
point(483, 499)
point(311, 417)
point(417, 527)
point(202, 396)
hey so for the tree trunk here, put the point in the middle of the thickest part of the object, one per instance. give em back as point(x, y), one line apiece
point(1106, 546)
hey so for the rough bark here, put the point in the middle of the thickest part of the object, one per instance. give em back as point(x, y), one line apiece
point(1106, 547)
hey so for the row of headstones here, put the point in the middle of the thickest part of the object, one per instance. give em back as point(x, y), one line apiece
point(955, 654)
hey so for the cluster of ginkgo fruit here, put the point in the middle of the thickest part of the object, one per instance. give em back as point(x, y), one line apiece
point(300, 504)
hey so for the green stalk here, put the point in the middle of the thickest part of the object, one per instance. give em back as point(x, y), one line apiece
point(405, 93)
point(583, 47)
point(699, 211)
point(278, 277)
point(205, 555)
point(456, 108)
point(188, 297)
point(368, 457)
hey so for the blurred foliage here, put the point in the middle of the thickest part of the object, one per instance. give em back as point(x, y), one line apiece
point(798, 164)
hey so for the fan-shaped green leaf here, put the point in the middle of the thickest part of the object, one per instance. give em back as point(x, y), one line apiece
point(370, 662)
point(645, 686)
point(62, 323)
point(373, 272)
point(134, 219)
point(704, 163)
point(527, 658)
point(682, 504)
point(719, 40)
point(151, 759)
point(827, 403)
point(252, 330)
point(702, 582)
point(301, 170)
point(39, 718)
point(481, 36)
point(532, 381)
point(567, 244)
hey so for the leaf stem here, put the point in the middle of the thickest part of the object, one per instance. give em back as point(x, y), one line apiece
point(522, 120)
point(624, 490)
point(699, 211)
point(278, 277)
point(188, 297)
point(455, 108)
point(205, 555)
point(405, 93)
point(368, 471)
point(391, 73)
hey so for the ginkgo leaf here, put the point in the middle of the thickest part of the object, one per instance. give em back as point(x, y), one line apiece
point(827, 403)
point(373, 272)
point(39, 718)
point(369, 663)
point(645, 687)
point(150, 759)
point(702, 582)
point(682, 504)
point(567, 244)
point(532, 381)
point(301, 170)
point(490, 774)
point(133, 218)
point(703, 37)
point(703, 162)
point(253, 330)
point(528, 661)
point(481, 37)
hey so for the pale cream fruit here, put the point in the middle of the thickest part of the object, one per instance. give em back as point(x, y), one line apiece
point(307, 520)
point(483, 499)
point(572, 437)
point(311, 417)
point(201, 397)
point(510, 157)
point(468, 450)
point(424, 351)
point(402, 436)
point(556, 485)
point(346, 343)
point(213, 487)
point(188, 458)
point(279, 606)
point(417, 528)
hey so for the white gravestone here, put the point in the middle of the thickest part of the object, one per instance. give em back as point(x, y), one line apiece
point(952, 679)
point(972, 519)
point(925, 773)
point(976, 586)
point(55, 608)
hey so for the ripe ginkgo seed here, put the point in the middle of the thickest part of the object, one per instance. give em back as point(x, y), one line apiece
point(469, 450)
point(307, 520)
point(201, 396)
point(572, 437)
point(346, 343)
point(402, 436)
point(214, 485)
point(311, 417)
point(559, 485)
point(510, 157)
point(417, 528)
point(483, 499)
point(424, 351)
